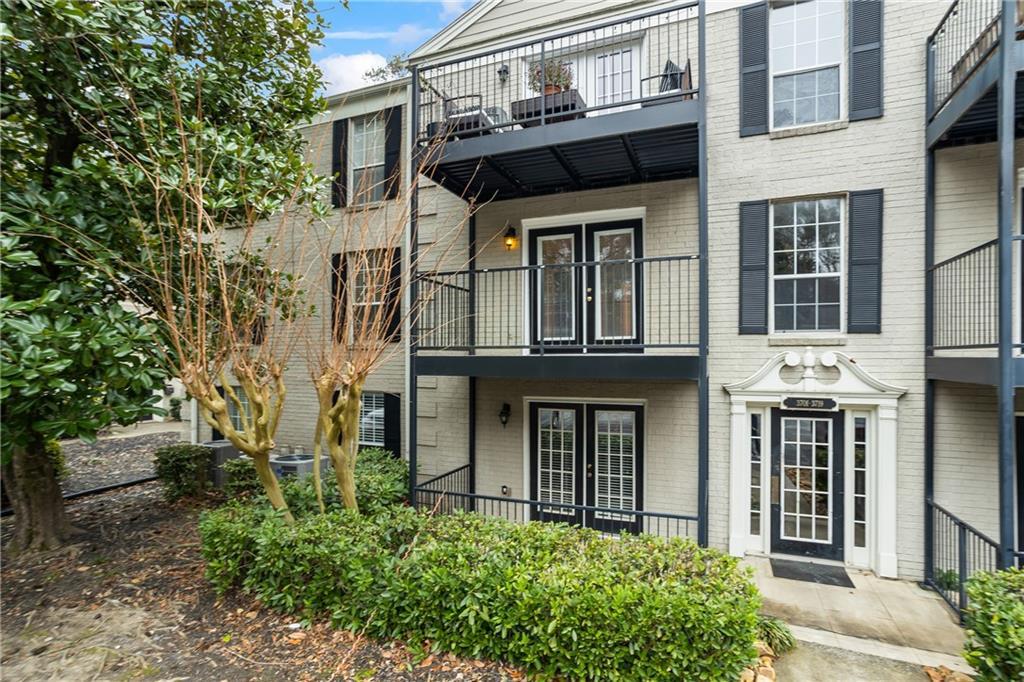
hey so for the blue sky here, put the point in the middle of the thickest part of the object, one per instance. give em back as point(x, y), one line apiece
point(369, 31)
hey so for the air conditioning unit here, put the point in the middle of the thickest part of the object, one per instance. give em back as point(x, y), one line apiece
point(222, 451)
point(299, 465)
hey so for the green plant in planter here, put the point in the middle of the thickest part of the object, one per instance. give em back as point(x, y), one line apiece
point(554, 75)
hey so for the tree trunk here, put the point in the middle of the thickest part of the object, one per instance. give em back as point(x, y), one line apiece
point(343, 454)
point(40, 522)
point(269, 480)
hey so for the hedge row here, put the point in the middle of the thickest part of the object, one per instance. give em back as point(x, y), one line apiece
point(995, 617)
point(556, 600)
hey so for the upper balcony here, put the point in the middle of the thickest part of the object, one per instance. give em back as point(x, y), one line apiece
point(608, 104)
point(963, 73)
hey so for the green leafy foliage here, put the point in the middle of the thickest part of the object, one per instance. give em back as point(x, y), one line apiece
point(183, 469)
point(775, 634)
point(175, 411)
point(242, 480)
point(995, 618)
point(562, 602)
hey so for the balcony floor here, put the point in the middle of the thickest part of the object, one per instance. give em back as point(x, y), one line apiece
point(971, 114)
point(556, 366)
point(654, 142)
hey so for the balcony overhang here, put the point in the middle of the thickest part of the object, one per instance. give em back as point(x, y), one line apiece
point(658, 141)
point(557, 366)
point(970, 115)
point(972, 370)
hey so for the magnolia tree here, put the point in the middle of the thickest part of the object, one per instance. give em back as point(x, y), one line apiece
point(364, 323)
point(191, 113)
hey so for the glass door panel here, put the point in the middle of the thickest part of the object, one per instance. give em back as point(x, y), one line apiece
point(557, 299)
point(614, 460)
point(614, 285)
point(807, 462)
point(557, 461)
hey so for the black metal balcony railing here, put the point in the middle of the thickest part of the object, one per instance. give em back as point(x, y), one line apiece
point(610, 305)
point(965, 299)
point(967, 35)
point(959, 551)
point(638, 61)
point(449, 493)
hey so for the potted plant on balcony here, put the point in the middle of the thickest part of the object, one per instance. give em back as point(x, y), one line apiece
point(551, 77)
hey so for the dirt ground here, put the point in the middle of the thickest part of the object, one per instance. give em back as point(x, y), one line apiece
point(128, 601)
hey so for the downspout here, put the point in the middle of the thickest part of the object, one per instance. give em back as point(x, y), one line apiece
point(703, 398)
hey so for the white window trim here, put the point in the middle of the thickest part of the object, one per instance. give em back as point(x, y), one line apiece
point(583, 402)
point(354, 306)
point(355, 198)
point(362, 404)
point(859, 556)
point(809, 333)
point(843, 114)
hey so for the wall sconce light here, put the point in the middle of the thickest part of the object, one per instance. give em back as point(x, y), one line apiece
point(503, 73)
point(511, 238)
point(506, 412)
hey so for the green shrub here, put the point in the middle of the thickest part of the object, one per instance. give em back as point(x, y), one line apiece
point(559, 601)
point(175, 411)
point(775, 634)
point(182, 469)
point(242, 479)
point(995, 618)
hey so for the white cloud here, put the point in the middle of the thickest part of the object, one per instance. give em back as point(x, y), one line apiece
point(406, 34)
point(344, 72)
point(452, 8)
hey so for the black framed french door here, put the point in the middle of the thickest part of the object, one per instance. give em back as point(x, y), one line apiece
point(593, 308)
point(807, 483)
point(587, 455)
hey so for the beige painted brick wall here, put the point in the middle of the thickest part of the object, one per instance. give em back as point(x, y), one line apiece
point(881, 153)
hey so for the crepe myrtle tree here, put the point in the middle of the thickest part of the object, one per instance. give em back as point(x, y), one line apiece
point(133, 134)
point(361, 254)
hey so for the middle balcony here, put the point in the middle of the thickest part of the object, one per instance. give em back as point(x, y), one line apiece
point(605, 104)
point(580, 298)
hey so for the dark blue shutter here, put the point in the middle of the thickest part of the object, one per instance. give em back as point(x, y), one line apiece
point(754, 267)
point(339, 163)
point(865, 59)
point(394, 297)
point(393, 423)
point(392, 151)
point(339, 300)
point(864, 281)
point(215, 433)
point(754, 69)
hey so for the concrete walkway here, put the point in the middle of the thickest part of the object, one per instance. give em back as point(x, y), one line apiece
point(818, 662)
point(891, 612)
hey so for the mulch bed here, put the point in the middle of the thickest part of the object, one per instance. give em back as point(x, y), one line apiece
point(128, 600)
point(111, 460)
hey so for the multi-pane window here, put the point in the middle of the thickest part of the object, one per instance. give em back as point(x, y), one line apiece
point(807, 264)
point(371, 420)
point(615, 76)
point(806, 51)
point(233, 412)
point(755, 473)
point(860, 483)
point(367, 160)
point(806, 473)
point(556, 467)
point(370, 284)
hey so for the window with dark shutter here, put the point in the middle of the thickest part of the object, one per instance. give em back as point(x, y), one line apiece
point(393, 423)
point(754, 267)
point(754, 69)
point(339, 163)
point(392, 151)
point(376, 282)
point(865, 59)
point(864, 288)
point(339, 294)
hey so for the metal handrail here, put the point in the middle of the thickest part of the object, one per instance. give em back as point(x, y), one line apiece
point(441, 476)
point(559, 36)
point(574, 264)
point(964, 254)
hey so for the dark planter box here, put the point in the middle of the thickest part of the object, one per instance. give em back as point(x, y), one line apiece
point(560, 106)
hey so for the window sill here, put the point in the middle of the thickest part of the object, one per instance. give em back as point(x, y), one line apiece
point(812, 129)
point(371, 205)
point(805, 340)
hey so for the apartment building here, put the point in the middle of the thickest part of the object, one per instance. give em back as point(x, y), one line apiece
point(739, 272)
